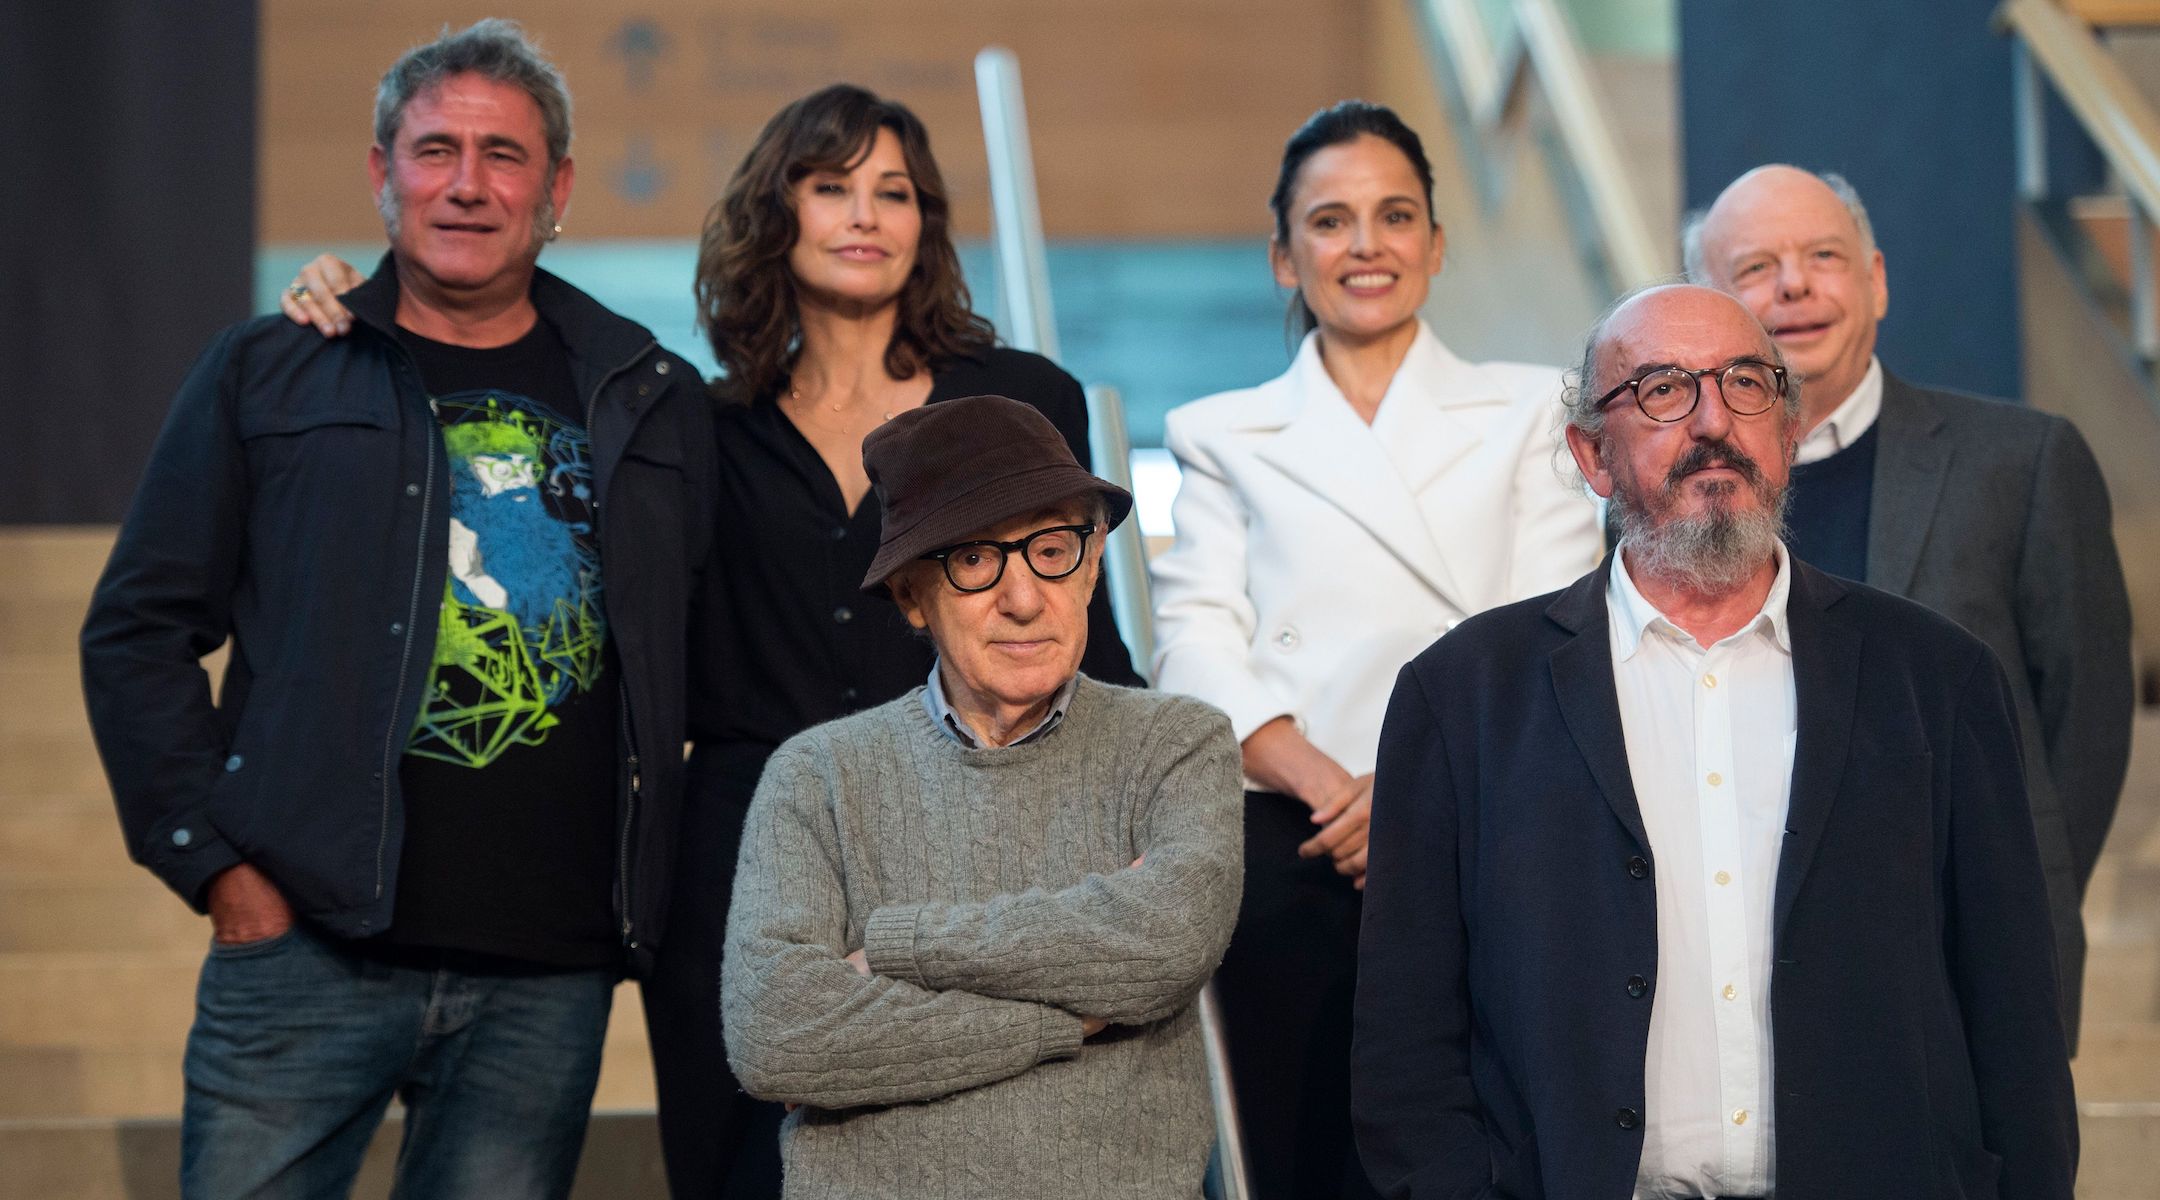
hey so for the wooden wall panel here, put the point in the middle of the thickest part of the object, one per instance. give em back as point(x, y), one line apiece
point(1151, 118)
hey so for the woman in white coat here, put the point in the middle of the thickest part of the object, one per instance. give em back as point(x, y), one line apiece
point(1332, 523)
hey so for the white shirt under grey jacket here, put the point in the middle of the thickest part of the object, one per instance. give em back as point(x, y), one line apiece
point(1315, 554)
point(1710, 736)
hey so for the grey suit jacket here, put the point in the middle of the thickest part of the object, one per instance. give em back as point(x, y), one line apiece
point(1996, 516)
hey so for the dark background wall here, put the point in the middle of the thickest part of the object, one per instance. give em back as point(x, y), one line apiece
point(127, 215)
point(1910, 100)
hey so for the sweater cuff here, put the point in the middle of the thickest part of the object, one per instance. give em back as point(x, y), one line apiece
point(889, 944)
point(1061, 1036)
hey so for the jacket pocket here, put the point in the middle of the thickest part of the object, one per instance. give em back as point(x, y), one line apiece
point(1965, 1170)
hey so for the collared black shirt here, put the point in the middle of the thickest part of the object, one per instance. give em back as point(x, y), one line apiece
point(785, 638)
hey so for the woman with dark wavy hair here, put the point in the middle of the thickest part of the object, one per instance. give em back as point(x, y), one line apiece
point(829, 286)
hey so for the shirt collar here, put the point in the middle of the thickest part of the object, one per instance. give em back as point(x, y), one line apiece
point(952, 725)
point(1851, 419)
point(1634, 617)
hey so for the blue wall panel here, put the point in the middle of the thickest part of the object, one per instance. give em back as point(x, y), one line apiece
point(1910, 100)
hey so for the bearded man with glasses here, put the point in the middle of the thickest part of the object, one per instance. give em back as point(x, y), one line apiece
point(969, 925)
point(1623, 832)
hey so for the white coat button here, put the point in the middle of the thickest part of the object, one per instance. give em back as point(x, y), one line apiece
point(1287, 638)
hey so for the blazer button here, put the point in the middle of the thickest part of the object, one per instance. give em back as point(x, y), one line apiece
point(1627, 1118)
point(1638, 867)
point(1637, 986)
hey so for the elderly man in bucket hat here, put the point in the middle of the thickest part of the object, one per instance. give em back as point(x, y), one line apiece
point(969, 925)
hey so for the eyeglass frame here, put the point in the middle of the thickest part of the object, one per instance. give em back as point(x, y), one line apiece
point(943, 556)
point(1634, 386)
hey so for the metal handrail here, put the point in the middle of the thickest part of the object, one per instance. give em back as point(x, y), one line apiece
point(2113, 113)
point(1016, 216)
point(1024, 279)
point(1124, 556)
point(1541, 41)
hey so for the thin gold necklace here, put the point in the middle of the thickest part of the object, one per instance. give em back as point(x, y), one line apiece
point(795, 394)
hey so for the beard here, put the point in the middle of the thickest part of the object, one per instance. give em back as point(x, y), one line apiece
point(1714, 550)
point(393, 212)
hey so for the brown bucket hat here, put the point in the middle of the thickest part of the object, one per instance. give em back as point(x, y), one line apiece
point(946, 472)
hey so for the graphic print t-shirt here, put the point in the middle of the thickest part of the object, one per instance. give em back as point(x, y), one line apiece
point(509, 777)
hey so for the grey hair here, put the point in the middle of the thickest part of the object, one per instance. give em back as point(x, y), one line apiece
point(1579, 392)
point(493, 48)
point(1691, 227)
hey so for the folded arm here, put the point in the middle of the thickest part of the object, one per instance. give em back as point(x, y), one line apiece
point(1133, 945)
point(801, 1024)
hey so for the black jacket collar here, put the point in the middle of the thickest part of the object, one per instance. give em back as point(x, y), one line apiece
point(597, 338)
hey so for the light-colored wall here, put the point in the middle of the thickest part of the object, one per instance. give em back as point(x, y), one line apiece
point(1151, 118)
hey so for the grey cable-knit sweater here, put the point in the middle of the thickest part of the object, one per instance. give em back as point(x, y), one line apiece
point(993, 894)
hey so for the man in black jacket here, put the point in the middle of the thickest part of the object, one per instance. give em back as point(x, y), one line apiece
point(431, 811)
point(1711, 875)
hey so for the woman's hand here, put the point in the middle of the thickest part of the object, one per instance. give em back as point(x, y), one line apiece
point(1278, 758)
point(1344, 820)
point(312, 298)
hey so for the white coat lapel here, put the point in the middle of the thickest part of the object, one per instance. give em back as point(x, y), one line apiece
point(1325, 448)
point(1435, 426)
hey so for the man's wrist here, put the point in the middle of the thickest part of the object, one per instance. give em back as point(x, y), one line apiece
point(889, 944)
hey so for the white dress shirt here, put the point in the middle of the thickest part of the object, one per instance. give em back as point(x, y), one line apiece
point(1710, 744)
point(1844, 426)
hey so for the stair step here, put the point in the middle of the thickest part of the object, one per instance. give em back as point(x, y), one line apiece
point(47, 1082)
point(131, 911)
point(2117, 1144)
point(135, 1070)
point(44, 764)
point(2118, 1062)
point(98, 1159)
point(98, 1000)
point(41, 693)
point(60, 833)
point(2122, 983)
point(55, 561)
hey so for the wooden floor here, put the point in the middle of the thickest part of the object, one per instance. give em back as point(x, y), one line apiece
point(98, 960)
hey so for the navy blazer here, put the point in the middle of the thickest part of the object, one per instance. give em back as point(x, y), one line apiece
point(1498, 1053)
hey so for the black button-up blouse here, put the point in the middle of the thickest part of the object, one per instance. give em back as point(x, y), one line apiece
point(784, 636)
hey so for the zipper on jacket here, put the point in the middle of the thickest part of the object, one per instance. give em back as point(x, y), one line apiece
point(622, 686)
point(412, 616)
point(637, 783)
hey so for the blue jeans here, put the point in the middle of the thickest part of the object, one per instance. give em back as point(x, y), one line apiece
point(300, 1042)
